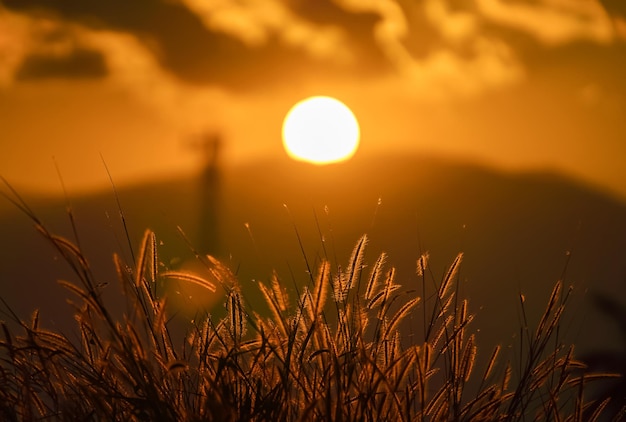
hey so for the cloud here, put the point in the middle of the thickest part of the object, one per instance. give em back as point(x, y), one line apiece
point(458, 62)
point(174, 34)
point(258, 23)
point(79, 63)
point(434, 49)
point(552, 22)
point(454, 26)
point(15, 43)
point(135, 68)
point(235, 44)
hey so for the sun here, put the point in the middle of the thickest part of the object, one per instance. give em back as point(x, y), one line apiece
point(320, 130)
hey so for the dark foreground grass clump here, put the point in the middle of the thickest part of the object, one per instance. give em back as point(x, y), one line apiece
point(341, 349)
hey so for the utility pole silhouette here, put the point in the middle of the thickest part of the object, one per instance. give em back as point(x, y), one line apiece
point(209, 145)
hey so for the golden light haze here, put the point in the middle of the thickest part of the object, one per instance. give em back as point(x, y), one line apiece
point(517, 85)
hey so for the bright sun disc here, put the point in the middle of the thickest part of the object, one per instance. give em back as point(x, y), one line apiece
point(320, 130)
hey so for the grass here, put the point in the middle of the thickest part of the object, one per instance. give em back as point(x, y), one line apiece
point(349, 344)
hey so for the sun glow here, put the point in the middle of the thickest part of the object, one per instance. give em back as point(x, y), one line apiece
point(320, 130)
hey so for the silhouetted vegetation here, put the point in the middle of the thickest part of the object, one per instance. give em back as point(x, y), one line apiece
point(353, 344)
point(611, 361)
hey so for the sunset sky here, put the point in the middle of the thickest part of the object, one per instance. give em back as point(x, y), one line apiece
point(516, 84)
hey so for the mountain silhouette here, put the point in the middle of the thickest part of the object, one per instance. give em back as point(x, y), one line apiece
point(519, 232)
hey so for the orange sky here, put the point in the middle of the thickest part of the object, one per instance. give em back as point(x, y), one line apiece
point(516, 84)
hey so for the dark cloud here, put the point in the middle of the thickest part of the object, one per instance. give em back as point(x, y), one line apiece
point(186, 48)
point(176, 36)
point(80, 63)
point(615, 7)
point(432, 44)
point(358, 25)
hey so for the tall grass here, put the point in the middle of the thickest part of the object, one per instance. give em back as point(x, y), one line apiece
point(342, 348)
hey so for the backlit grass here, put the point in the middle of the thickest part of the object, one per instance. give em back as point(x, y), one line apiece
point(351, 343)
